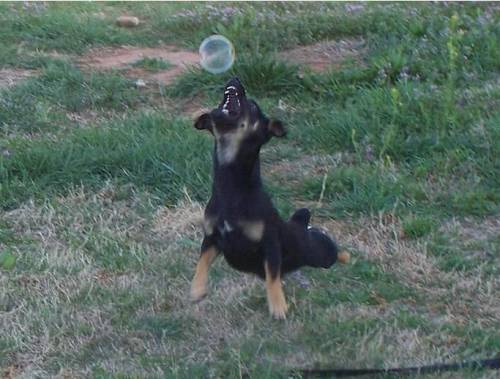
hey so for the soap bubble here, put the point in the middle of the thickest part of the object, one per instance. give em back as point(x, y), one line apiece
point(217, 54)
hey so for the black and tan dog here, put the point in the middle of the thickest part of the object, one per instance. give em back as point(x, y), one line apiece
point(240, 220)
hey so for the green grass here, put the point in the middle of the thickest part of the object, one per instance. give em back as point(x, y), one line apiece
point(77, 28)
point(102, 186)
point(456, 252)
point(417, 227)
point(148, 150)
point(40, 104)
point(264, 74)
point(370, 285)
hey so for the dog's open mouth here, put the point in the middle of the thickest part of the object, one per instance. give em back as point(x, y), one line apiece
point(232, 103)
point(233, 95)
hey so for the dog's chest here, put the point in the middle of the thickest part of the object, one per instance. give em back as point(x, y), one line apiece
point(244, 236)
point(240, 242)
point(241, 253)
point(230, 228)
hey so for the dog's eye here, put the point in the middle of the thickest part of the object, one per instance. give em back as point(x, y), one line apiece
point(242, 125)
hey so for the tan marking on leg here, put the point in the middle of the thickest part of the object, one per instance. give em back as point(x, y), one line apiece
point(200, 279)
point(275, 295)
point(253, 230)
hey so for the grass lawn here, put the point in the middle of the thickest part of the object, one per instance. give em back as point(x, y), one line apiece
point(393, 113)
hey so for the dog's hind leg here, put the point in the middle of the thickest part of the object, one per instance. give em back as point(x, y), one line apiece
point(199, 284)
point(275, 295)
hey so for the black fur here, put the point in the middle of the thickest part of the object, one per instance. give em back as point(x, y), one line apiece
point(238, 196)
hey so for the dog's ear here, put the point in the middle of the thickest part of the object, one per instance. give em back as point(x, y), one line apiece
point(276, 128)
point(205, 121)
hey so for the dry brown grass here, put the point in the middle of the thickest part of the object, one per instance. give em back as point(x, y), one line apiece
point(50, 232)
point(44, 319)
point(473, 296)
point(11, 76)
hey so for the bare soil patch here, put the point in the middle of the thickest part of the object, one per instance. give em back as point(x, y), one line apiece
point(326, 54)
point(122, 58)
point(10, 76)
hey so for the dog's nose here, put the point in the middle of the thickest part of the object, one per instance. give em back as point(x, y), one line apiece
point(234, 81)
point(235, 84)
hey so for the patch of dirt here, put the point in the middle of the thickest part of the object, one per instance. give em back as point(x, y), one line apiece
point(122, 58)
point(10, 76)
point(326, 54)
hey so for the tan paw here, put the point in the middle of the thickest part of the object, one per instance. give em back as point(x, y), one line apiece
point(278, 308)
point(198, 292)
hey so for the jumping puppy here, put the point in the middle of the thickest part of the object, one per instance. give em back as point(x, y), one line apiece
point(240, 220)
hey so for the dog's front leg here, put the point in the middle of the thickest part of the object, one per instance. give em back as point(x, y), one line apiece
point(199, 284)
point(274, 289)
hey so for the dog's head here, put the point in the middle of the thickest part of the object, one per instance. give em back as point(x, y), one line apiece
point(239, 126)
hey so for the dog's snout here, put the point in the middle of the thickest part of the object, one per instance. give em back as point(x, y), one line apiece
point(234, 84)
point(234, 94)
point(234, 81)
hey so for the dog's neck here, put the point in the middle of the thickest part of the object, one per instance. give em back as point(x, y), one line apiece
point(242, 174)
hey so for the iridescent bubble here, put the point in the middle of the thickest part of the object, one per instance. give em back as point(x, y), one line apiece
point(217, 54)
